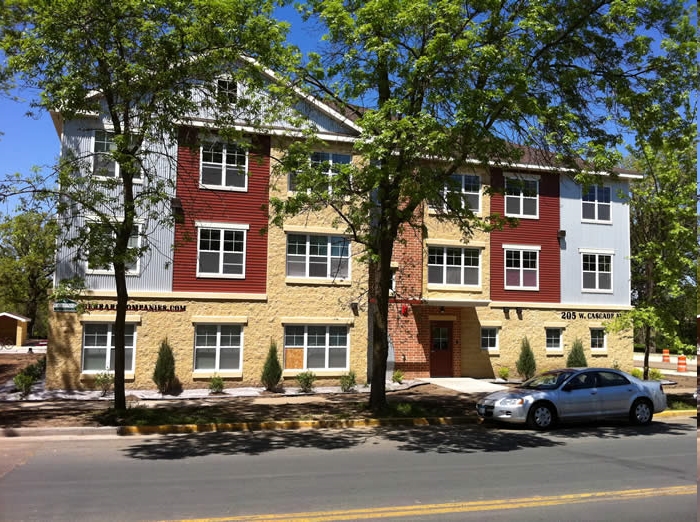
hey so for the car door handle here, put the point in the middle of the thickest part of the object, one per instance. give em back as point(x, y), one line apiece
point(594, 392)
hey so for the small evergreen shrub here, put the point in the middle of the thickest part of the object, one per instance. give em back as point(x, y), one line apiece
point(576, 357)
point(637, 372)
point(272, 370)
point(526, 364)
point(216, 384)
point(104, 381)
point(397, 376)
point(504, 372)
point(348, 382)
point(306, 381)
point(164, 372)
point(23, 382)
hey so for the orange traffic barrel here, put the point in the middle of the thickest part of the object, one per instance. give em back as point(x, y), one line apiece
point(666, 357)
point(682, 367)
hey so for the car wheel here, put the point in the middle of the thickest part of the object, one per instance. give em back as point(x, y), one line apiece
point(541, 416)
point(641, 412)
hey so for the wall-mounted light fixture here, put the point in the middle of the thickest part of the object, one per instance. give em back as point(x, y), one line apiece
point(519, 311)
point(442, 309)
point(506, 310)
point(355, 307)
point(561, 234)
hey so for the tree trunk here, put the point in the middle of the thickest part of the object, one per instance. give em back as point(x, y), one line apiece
point(118, 336)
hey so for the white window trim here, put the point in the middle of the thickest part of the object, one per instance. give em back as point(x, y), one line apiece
point(223, 167)
point(462, 266)
point(138, 180)
point(327, 346)
point(597, 204)
point(110, 271)
point(241, 227)
point(307, 256)
point(496, 348)
point(110, 329)
point(476, 211)
point(329, 173)
point(601, 252)
point(522, 248)
point(217, 369)
point(560, 348)
point(524, 177)
point(605, 340)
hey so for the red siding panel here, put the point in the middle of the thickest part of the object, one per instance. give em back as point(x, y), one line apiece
point(226, 207)
point(541, 232)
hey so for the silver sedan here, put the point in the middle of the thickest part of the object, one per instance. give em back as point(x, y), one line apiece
point(574, 394)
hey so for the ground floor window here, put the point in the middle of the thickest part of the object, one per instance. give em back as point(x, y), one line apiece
point(324, 347)
point(598, 339)
point(553, 339)
point(218, 347)
point(98, 347)
point(489, 339)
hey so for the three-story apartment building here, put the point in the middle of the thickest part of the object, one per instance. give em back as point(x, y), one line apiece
point(222, 284)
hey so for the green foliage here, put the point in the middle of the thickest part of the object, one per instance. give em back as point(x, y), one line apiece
point(348, 382)
point(24, 381)
point(576, 357)
point(164, 372)
point(306, 381)
point(272, 370)
point(526, 364)
point(397, 376)
point(655, 374)
point(637, 372)
point(104, 382)
point(504, 372)
point(216, 384)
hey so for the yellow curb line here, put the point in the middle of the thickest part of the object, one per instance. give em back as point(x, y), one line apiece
point(317, 424)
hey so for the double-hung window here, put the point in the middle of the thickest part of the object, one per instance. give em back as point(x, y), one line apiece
point(521, 267)
point(596, 271)
point(454, 266)
point(595, 204)
point(325, 257)
point(103, 164)
point(463, 191)
point(226, 91)
point(489, 339)
point(100, 251)
point(224, 166)
point(325, 347)
point(218, 347)
point(553, 339)
point(328, 164)
point(221, 250)
point(522, 196)
point(98, 347)
point(598, 339)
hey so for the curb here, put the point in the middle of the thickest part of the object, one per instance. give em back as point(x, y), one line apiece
point(264, 425)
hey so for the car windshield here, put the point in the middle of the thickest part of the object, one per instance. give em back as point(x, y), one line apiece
point(546, 381)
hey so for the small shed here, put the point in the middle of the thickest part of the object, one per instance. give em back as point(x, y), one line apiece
point(13, 327)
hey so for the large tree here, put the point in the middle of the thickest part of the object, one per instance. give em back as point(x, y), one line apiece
point(27, 261)
point(441, 85)
point(147, 68)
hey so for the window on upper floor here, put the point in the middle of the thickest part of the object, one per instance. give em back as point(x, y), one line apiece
point(103, 164)
point(521, 267)
point(596, 272)
point(101, 247)
point(224, 166)
point(218, 347)
point(319, 347)
point(328, 163)
point(226, 91)
point(489, 339)
point(324, 257)
point(464, 191)
point(98, 347)
point(221, 250)
point(454, 266)
point(595, 204)
point(522, 196)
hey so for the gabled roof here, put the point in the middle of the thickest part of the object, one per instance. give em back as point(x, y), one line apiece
point(17, 317)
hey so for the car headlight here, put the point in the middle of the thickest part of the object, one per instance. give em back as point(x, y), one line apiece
point(514, 401)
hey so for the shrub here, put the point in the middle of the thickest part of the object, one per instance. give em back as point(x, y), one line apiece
point(576, 358)
point(272, 370)
point(637, 372)
point(655, 374)
point(164, 372)
point(306, 381)
point(216, 384)
point(104, 382)
point(397, 376)
point(526, 364)
point(348, 382)
point(504, 372)
point(23, 382)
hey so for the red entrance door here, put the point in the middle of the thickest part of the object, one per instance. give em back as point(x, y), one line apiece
point(441, 349)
